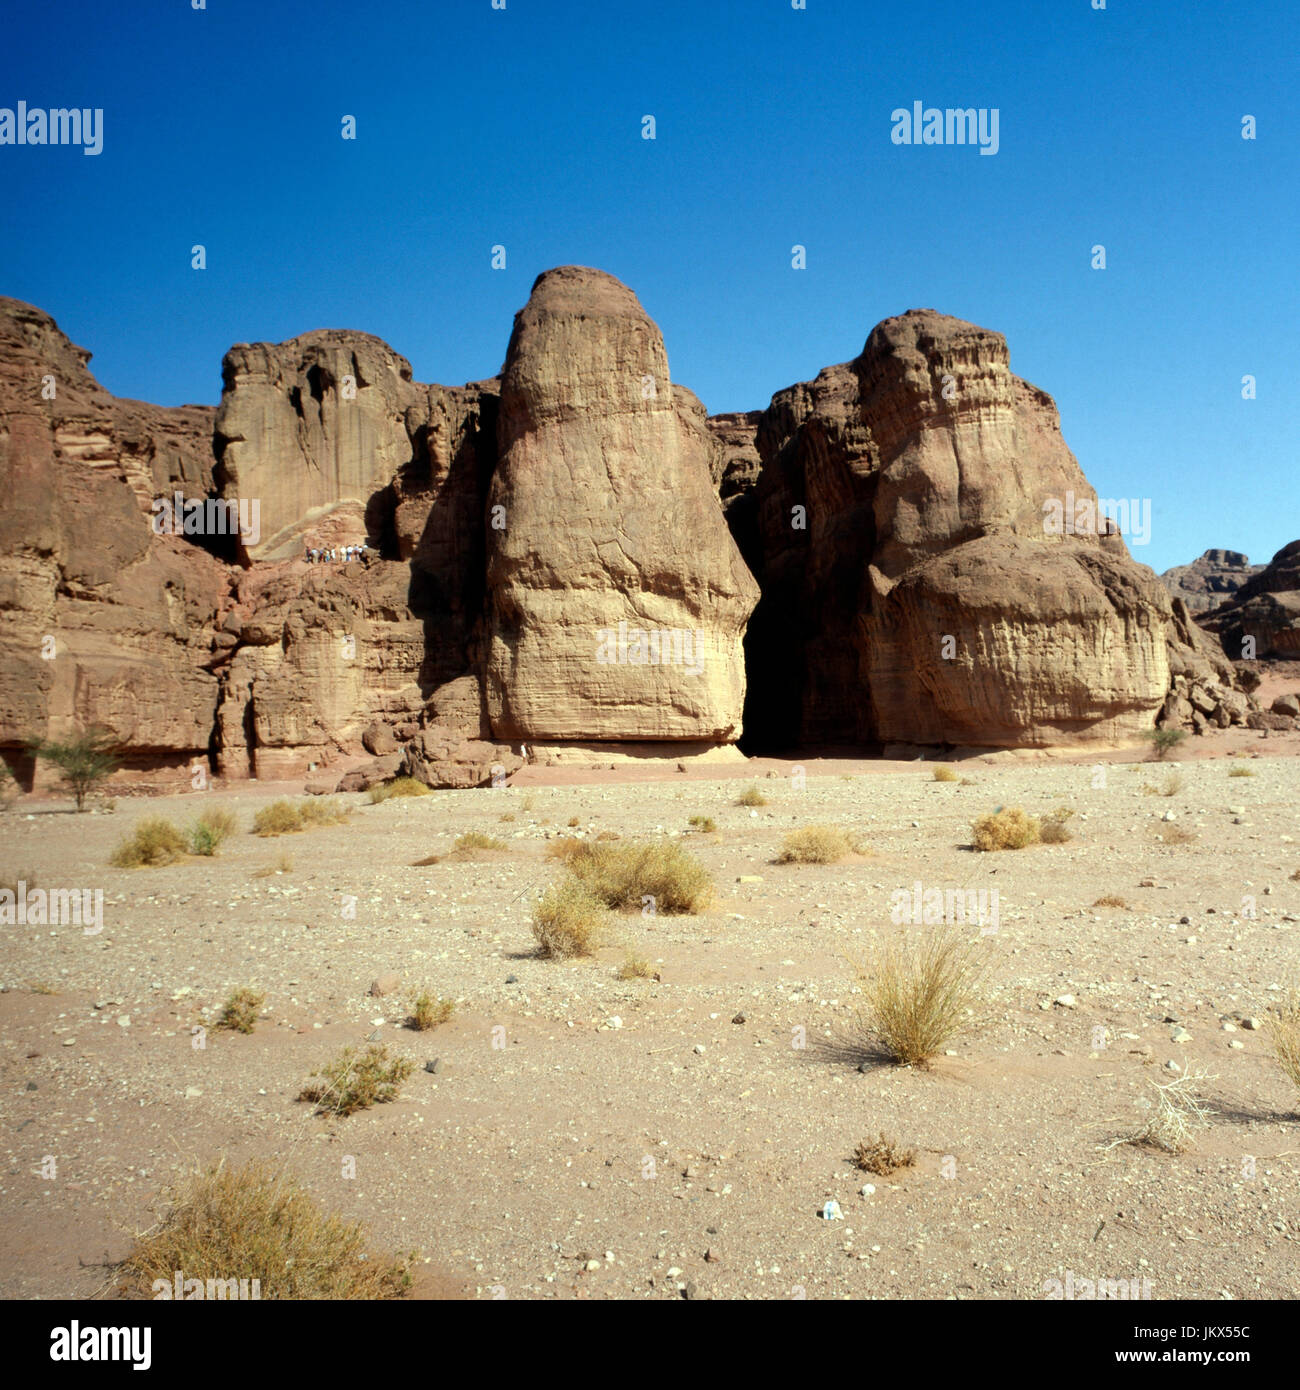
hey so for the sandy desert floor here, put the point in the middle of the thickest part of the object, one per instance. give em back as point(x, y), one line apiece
point(590, 1137)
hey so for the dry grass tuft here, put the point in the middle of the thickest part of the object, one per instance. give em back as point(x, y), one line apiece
point(1240, 770)
point(1111, 900)
point(920, 991)
point(705, 825)
point(239, 1012)
point(350, 1082)
point(751, 797)
point(1284, 1035)
point(428, 1011)
point(883, 1156)
point(155, 841)
point(945, 774)
point(476, 839)
point(284, 817)
point(215, 826)
point(627, 874)
point(1006, 828)
point(253, 1223)
point(816, 844)
point(1054, 830)
point(636, 967)
point(1170, 834)
point(399, 786)
point(569, 921)
point(283, 865)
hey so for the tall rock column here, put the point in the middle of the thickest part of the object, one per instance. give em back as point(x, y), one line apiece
point(617, 599)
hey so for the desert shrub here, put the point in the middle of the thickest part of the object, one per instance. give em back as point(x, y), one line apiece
point(154, 841)
point(1240, 770)
point(253, 1223)
point(1174, 834)
point(706, 825)
point(281, 817)
point(398, 786)
point(428, 1011)
point(570, 920)
point(1110, 900)
point(239, 1012)
point(816, 844)
point(475, 839)
point(1054, 830)
point(1178, 1113)
point(945, 774)
point(1171, 786)
point(1164, 741)
point(574, 822)
point(751, 797)
point(1284, 1035)
point(624, 875)
point(322, 810)
point(211, 830)
point(83, 759)
point(635, 967)
point(883, 1156)
point(920, 992)
point(509, 816)
point(350, 1082)
point(284, 817)
point(1006, 828)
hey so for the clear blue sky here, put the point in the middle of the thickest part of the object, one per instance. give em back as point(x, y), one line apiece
point(523, 127)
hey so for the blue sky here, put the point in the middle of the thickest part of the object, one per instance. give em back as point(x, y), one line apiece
point(522, 127)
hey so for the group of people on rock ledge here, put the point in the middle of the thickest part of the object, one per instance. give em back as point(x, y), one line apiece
point(340, 553)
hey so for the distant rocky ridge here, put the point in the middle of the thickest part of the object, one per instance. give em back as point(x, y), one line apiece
point(570, 561)
point(1209, 580)
point(1262, 619)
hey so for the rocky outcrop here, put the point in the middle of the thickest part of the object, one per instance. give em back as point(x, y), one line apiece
point(1209, 580)
point(930, 568)
point(102, 621)
point(1262, 619)
point(616, 596)
point(560, 560)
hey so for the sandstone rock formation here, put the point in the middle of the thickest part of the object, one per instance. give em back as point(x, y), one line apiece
point(1209, 580)
point(915, 589)
point(559, 560)
point(616, 596)
point(1262, 619)
point(101, 620)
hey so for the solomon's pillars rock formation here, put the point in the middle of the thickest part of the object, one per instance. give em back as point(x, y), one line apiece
point(603, 513)
point(903, 553)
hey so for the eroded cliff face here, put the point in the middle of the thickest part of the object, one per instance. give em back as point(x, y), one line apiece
point(101, 620)
point(563, 558)
point(916, 585)
point(616, 597)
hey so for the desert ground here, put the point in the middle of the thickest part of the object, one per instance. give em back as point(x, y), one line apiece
point(586, 1136)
